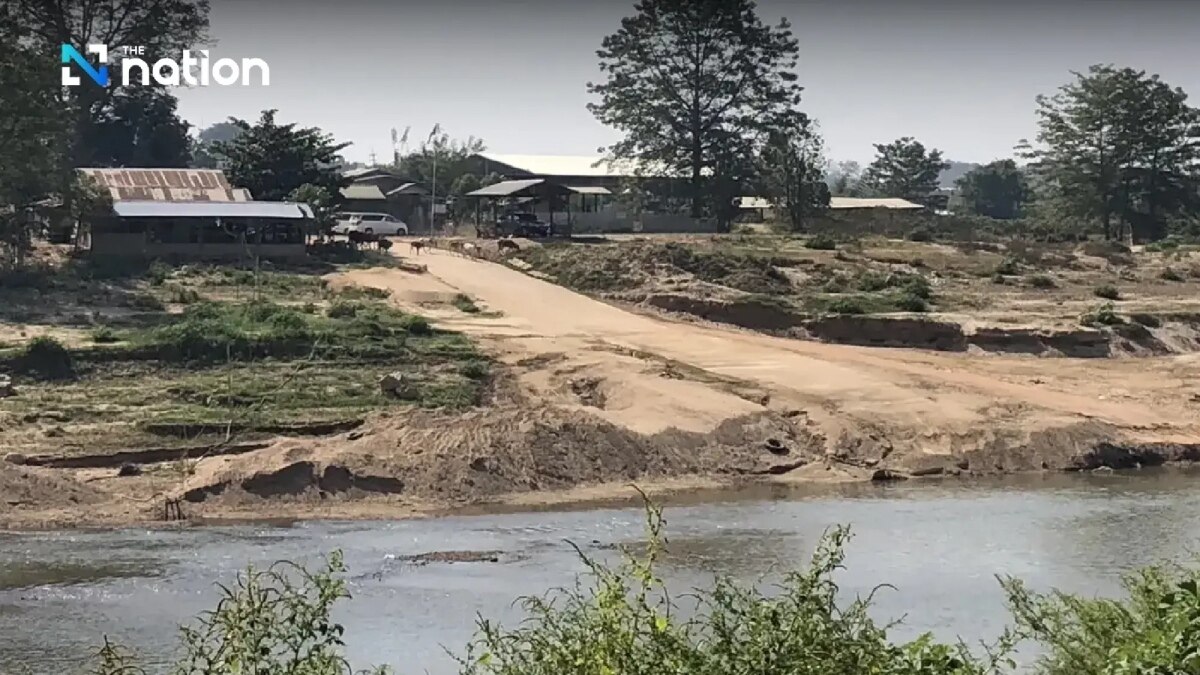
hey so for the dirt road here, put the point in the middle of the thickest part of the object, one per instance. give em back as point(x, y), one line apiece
point(649, 373)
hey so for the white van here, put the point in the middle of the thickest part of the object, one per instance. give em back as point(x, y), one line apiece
point(370, 223)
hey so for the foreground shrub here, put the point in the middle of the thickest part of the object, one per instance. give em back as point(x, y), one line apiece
point(621, 620)
point(821, 242)
point(47, 359)
point(276, 620)
point(1156, 631)
point(624, 621)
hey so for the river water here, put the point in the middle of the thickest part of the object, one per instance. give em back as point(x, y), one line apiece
point(939, 543)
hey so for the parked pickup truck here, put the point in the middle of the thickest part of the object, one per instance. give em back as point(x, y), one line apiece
point(522, 225)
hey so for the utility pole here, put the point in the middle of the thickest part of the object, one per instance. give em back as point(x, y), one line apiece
point(432, 140)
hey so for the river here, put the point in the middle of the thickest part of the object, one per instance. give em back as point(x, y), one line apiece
point(939, 543)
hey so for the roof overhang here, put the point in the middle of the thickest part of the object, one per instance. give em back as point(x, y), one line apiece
point(156, 209)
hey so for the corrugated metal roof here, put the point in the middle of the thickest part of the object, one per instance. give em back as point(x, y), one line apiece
point(505, 188)
point(167, 185)
point(160, 209)
point(363, 191)
point(589, 190)
point(572, 165)
point(863, 203)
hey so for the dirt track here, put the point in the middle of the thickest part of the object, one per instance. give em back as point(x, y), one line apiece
point(921, 402)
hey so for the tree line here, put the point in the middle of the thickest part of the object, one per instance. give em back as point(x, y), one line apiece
point(707, 90)
point(702, 90)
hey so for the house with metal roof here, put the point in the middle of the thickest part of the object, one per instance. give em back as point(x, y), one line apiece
point(192, 213)
point(592, 187)
point(380, 190)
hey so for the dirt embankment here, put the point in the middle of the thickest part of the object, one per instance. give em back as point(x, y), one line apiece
point(1169, 333)
point(589, 397)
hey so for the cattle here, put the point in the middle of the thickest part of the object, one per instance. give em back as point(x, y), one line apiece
point(458, 247)
point(417, 245)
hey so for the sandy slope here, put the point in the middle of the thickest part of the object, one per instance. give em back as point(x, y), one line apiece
point(594, 397)
point(918, 402)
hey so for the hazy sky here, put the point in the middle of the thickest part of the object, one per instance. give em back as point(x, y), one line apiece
point(960, 75)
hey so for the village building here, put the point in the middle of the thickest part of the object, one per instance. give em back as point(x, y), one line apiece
point(378, 190)
point(192, 213)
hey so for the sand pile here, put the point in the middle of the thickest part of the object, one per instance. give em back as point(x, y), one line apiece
point(24, 487)
point(436, 456)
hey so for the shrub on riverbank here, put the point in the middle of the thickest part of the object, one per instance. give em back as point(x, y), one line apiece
point(623, 621)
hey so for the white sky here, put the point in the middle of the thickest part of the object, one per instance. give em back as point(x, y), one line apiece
point(960, 75)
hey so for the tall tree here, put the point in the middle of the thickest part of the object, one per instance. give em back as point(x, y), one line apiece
point(451, 156)
point(688, 79)
point(34, 136)
point(141, 128)
point(163, 27)
point(905, 169)
point(1117, 147)
point(272, 160)
point(792, 167)
point(844, 179)
point(202, 147)
point(997, 190)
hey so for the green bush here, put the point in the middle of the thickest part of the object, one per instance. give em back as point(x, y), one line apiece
point(416, 325)
point(620, 619)
point(1104, 315)
point(909, 302)
point(145, 302)
point(624, 621)
point(1042, 281)
point(821, 242)
point(1008, 267)
point(103, 335)
point(1170, 274)
point(847, 306)
point(47, 359)
point(475, 370)
point(157, 273)
point(464, 303)
point(1107, 292)
point(341, 309)
point(1154, 631)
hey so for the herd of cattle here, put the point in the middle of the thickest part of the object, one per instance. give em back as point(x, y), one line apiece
point(463, 248)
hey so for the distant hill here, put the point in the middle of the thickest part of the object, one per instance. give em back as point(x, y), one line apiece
point(957, 170)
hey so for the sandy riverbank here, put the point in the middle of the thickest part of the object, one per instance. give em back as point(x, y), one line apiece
point(590, 397)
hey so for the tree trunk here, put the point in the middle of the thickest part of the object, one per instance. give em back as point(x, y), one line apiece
point(697, 178)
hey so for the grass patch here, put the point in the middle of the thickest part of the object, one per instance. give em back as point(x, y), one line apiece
point(1107, 292)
